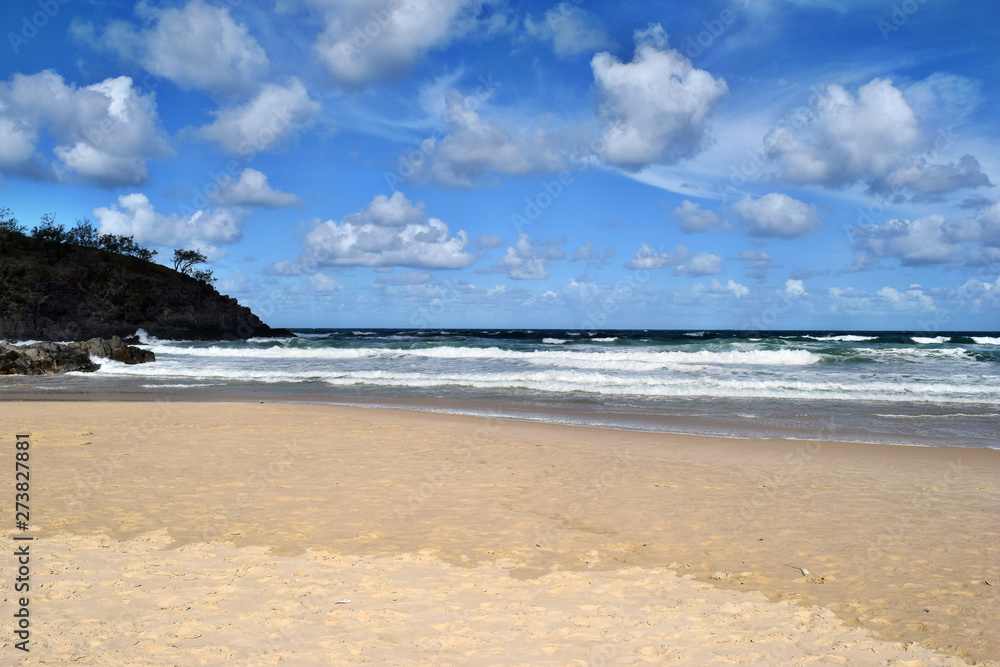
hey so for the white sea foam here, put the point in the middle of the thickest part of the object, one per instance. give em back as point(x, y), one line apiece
point(554, 341)
point(546, 357)
point(847, 338)
point(604, 340)
point(927, 340)
point(986, 340)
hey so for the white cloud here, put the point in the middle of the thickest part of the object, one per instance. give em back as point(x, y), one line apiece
point(850, 139)
point(878, 138)
point(324, 284)
point(918, 242)
point(408, 278)
point(914, 298)
point(933, 180)
point(572, 30)
point(526, 261)
point(486, 241)
point(648, 258)
point(702, 264)
point(693, 219)
point(794, 288)
point(275, 115)
point(984, 228)
point(199, 46)
point(475, 147)
point(731, 286)
point(777, 215)
point(366, 40)
point(104, 134)
point(579, 291)
point(252, 189)
point(391, 231)
point(585, 252)
point(654, 108)
point(134, 215)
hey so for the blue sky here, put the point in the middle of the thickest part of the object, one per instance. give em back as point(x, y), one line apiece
point(491, 163)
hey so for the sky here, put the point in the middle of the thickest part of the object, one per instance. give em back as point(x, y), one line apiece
point(730, 164)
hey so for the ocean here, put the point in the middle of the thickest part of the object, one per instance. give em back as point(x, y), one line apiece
point(883, 387)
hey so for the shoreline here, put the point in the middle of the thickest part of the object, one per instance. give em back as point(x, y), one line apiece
point(448, 407)
point(883, 531)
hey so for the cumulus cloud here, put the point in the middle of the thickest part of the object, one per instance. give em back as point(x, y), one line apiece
point(693, 219)
point(777, 215)
point(526, 260)
point(252, 189)
point(367, 40)
point(647, 258)
point(321, 283)
point(794, 288)
point(920, 242)
point(134, 215)
point(391, 231)
point(653, 108)
point(103, 134)
point(930, 181)
point(275, 115)
point(475, 147)
point(850, 139)
point(702, 264)
point(874, 137)
point(730, 287)
point(571, 30)
point(199, 46)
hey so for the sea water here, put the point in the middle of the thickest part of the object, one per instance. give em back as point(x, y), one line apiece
point(887, 387)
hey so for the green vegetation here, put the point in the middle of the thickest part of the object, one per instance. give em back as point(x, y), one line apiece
point(185, 261)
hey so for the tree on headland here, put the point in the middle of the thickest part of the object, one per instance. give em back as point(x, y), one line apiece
point(185, 261)
point(10, 229)
point(8, 223)
point(48, 230)
point(84, 235)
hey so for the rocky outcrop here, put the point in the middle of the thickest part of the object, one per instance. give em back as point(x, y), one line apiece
point(56, 358)
point(116, 350)
point(58, 291)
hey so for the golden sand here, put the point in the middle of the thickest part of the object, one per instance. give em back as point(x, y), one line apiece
point(235, 533)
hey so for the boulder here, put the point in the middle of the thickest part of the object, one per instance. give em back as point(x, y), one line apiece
point(43, 359)
point(55, 358)
point(115, 349)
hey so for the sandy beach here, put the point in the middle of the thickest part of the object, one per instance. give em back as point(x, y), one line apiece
point(245, 533)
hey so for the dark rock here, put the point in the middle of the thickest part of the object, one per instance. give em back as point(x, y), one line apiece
point(116, 350)
point(56, 358)
point(44, 359)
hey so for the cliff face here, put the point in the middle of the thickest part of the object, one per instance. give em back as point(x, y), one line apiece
point(58, 291)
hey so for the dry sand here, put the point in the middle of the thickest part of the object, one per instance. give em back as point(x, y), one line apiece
point(228, 533)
